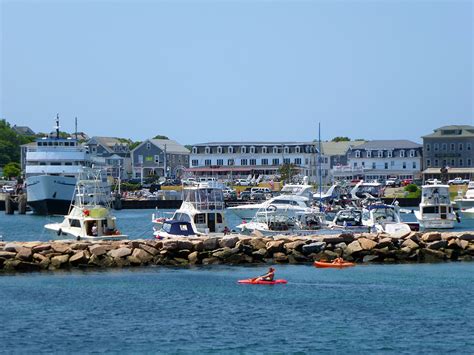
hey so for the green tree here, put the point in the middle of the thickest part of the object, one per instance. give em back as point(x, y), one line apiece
point(10, 143)
point(133, 145)
point(287, 171)
point(160, 137)
point(11, 170)
point(340, 139)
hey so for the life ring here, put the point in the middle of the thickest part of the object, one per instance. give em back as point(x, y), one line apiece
point(60, 231)
point(272, 208)
point(86, 213)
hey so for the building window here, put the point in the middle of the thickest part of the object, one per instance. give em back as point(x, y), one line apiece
point(286, 150)
point(374, 165)
point(386, 165)
point(357, 153)
point(469, 162)
point(220, 162)
point(286, 161)
point(140, 159)
point(276, 161)
point(252, 151)
point(207, 162)
point(219, 150)
point(298, 161)
point(452, 163)
point(363, 164)
point(298, 150)
point(380, 154)
point(444, 146)
point(452, 146)
point(436, 162)
point(230, 161)
point(355, 164)
point(414, 165)
point(275, 150)
point(436, 147)
point(157, 159)
point(264, 161)
point(402, 153)
point(389, 154)
point(208, 150)
point(369, 154)
point(428, 147)
point(461, 162)
point(230, 150)
point(195, 150)
point(264, 150)
point(412, 153)
point(392, 163)
point(253, 161)
point(243, 161)
point(404, 165)
point(243, 150)
point(148, 145)
point(460, 146)
point(468, 146)
point(194, 162)
point(428, 162)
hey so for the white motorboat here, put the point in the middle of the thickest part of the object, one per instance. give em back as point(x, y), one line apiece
point(203, 208)
point(89, 216)
point(467, 201)
point(384, 218)
point(468, 213)
point(436, 211)
point(350, 220)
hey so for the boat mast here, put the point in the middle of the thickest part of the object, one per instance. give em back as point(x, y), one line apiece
point(319, 168)
point(57, 126)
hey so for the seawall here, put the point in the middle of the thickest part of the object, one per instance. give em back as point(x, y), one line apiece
point(237, 249)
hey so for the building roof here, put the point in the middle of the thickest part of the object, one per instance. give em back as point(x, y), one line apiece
point(171, 146)
point(389, 144)
point(108, 142)
point(453, 130)
point(338, 148)
point(251, 143)
point(23, 130)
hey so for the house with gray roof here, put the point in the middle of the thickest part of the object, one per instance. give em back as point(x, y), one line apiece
point(111, 154)
point(450, 147)
point(159, 157)
point(23, 130)
point(381, 159)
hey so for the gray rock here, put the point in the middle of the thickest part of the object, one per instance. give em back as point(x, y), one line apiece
point(149, 249)
point(275, 246)
point(315, 247)
point(198, 245)
point(229, 241)
point(410, 244)
point(296, 245)
point(257, 234)
point(60, 248)
point(384, 242)
point(365, 243)
point(40, 248)
point(60, 260)
point(120, 252)
point(257, 243)
point(170, 244)
point(260, 253)
point(222, 253)
point(12, 247)
point(437, 244)
point(430, 255)
point(369, 258)
point(98, 249)
point(431, 237)
point(352, 248)
point(78, 258)
point(467, 236)
point(24, 254)
point(27, 266)
point(7, 254)
point(143, 256)
point(185, 244)
point(211, 261)
point(193, 257)
point(210, 243)
point(280, 257)
point(79, 246)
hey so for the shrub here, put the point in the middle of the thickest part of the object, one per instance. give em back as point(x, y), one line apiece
point(411, 188)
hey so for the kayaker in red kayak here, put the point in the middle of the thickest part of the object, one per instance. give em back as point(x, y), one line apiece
point(269, 276)
point(339, 260)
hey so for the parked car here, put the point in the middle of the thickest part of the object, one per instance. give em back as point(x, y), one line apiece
point(242, 182)
point(229, 195)
point(264, 190)
point(458, 181)
point(257, 196)
point(245, 195)
point(406, 182)
point(393, 182)
point(8, 189)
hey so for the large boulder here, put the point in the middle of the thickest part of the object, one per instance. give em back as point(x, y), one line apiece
point(149, 249)
point(120, 252)
point(467, 236)
point(257, 243)
point(60, 248)
point(142, 256)
point(384, 242)
point(170, 245)
point(24, 254)
point(12, 247)
point(410, 244)
point(7, 254)
point(210, 243)
point(228, 241)
point(257, 234)
point(78, 258)
point(79, 246)
point(296, 245)
point(193, 257)
point(99, 249)
point(40, 248)
point(280, 257)
point(431, 237)
point(315, 247)
point(430, 255)
point(198, 245)
point(185, 244)
point(366, 244)
point(275, 246)
point(223, 253)
point(437, 244)
point(369, 258)
point(352, 248)
point(60, 260)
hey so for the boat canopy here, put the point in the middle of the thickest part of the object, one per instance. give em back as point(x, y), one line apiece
point(178, 228)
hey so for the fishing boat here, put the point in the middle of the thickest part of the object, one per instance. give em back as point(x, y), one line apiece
point(350, 220)
point(467, 201)
point(383, 218)
point(90, 215)
point(436, 211)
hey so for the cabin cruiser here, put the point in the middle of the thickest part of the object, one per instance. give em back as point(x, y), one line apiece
point(384, 218)
point(367, 190)
point(349, 219)
point(467, 201)
point(436, 211)
point(172, 229)
point(52, 167)
point(272, 223)
point(203, 208)
point(90, 216)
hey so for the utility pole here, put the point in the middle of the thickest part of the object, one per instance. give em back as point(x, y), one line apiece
point(165, 161)
point(320, 170)
point(75, 127)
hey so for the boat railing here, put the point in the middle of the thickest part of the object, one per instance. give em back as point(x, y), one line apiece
point(210, 205)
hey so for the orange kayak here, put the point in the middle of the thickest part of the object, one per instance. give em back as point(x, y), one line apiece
point(261, 282)
point(332, 264)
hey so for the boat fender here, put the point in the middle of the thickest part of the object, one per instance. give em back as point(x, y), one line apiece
point(60, 231)
point(78, 238)
point(271, 208)
point(458, 219)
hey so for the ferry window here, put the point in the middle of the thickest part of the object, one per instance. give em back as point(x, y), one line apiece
point(56, 144)
point(67, 163)
point(167, 227)
point(200, 218)
point(219, 217)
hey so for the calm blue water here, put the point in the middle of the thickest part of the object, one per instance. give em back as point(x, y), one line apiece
point(135, 223)
point(370, 309)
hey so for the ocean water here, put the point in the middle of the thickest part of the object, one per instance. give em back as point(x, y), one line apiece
point(402, 309)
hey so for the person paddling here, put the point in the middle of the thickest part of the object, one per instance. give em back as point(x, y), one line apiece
point(338, 260)
point(267, 277)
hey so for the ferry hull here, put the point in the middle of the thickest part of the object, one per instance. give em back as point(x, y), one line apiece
point(49, 194)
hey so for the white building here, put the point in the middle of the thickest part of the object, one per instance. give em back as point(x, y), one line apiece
point(380, 159)
point(230, 160)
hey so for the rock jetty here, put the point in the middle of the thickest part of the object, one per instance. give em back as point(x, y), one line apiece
point(237, 249)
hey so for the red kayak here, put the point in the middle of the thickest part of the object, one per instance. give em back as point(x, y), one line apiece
point(261, 282)
point(336, 265)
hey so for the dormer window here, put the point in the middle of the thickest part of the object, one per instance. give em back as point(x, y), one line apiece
point(412, 153)
point(252, 150)
point(208, 150)
point(389, 154)
point(243, 150)
point(402, 153)
point(357, 153)
point(369, 154)
point(148, 145)
point(275, 150)
point(195, 150)
point(219, 150)
point(298, 149)
point(264, 150)
point(230, 150)
point(286, 150)
point(380, 154)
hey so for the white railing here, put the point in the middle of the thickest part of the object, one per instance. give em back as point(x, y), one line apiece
point(53, 169)
point(56, 155)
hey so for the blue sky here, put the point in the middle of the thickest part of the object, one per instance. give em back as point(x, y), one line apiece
point(200, 71)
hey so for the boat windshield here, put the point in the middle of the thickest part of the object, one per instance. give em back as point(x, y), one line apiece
point(436, 195)
point(291, 190)
point(204, 198)
point(386, 214)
